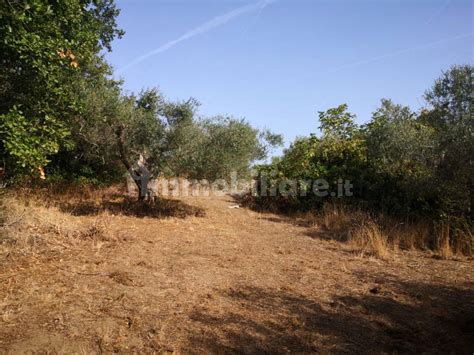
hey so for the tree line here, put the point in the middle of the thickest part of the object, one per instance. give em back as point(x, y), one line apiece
point(400, 162)
point(61, 111)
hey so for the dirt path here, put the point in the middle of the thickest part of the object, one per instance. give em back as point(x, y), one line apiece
point(230, 280)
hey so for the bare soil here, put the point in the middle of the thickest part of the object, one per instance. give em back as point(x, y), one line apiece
point(195, 276)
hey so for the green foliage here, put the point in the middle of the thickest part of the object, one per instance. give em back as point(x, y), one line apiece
point(337, 122)
point(46, 48)
point(59, 107)
point(450, 98)
point(29, 142)
point(339, 153)
point(175, 142)
point(333, 155)
point(451, 113)
point(401, 153)
point(230, 145)
point(400, 162)
point(170, 137)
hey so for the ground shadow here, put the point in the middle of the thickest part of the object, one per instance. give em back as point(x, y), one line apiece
point(294, 218)
point(310, 228)
point(436, 319)
point(128, 207)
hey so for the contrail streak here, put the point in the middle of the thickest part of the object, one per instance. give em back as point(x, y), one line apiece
point(402, 51)
point(437, 13)
point(254, 22)
point(205, 27)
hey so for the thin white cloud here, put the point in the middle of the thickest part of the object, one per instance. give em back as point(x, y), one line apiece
point(253, 23)
point(399, 52)
point(437, 13)
point(205, 27)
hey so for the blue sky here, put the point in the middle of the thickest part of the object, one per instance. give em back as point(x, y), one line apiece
point(278, 62)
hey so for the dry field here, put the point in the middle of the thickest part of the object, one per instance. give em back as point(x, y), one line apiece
point(93, 273)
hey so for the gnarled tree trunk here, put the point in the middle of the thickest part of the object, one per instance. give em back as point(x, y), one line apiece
point(138, 176)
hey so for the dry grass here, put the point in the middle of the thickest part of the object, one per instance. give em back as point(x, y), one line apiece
point(370, 238)
point(113, 279)
point(381, 235)
point(31, 228)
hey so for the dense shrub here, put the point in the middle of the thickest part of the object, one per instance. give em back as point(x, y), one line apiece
point(401, 162)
